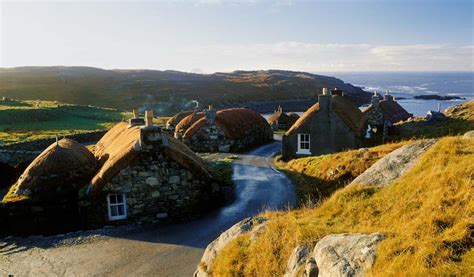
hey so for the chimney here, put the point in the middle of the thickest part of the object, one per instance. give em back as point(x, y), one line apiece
point(150, 134)
point(149, 118)
point(210, 115)
point(375, 100)
point(388, 96)
point(135, 120)
point(324, 100)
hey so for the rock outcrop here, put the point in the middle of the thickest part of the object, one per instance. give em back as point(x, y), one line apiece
point(297, 260)
point(250, 224)
point(341, 255)
point(469, 134)
point(393, 165)
point(345, 254)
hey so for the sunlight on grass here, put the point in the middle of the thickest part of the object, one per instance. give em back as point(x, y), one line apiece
point(425, 215)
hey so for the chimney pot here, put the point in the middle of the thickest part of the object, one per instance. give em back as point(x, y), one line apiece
point(149, 118)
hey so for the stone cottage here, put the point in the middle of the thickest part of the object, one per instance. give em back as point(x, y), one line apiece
point(226, 130)
point(383, 113)
point(281, 120)
point(146, 176)
point(331, 125)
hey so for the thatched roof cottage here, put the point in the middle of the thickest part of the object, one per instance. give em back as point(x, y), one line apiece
point(172, 122)
point(385, 110)
point(281, 120)
point(146, 175)
point(331, 125)
point(186, 122)
point(225, 130)
point(62, 168)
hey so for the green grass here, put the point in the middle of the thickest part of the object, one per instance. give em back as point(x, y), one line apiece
point(30, 120)
point(425, 215)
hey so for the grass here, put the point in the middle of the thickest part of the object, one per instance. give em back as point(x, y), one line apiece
point(460, 120)
point(30, 120)
point(318, 177)
point(11, 197)
point(425, 215)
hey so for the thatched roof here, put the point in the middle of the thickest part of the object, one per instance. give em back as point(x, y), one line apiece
point(233, 121)
point(347, 111)
point(189, 120)
point(283, 118)
point(391, 110)
point(120, 147)
point(56, 166)
point(172, 122)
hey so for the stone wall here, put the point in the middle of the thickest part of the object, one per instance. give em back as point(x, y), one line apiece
point(212, 138)
point(374, 116)
point(157, 189)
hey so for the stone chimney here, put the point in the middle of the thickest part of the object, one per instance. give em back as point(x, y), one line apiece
point(210, 115)
point(136, 120)
point(388, 96)
point(324, 100)
point(150, 134)
point(375, 100)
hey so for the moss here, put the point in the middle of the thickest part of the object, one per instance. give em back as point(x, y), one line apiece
point(426, 216)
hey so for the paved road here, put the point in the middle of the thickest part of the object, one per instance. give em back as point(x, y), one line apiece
point(167, 251)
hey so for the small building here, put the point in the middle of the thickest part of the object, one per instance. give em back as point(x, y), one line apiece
point(146, 175)
point(226, 130)
point(281, 120)
point(60, 170)
point(172, 122)
point(331, 125)
point(383, 113)
point(186, 122)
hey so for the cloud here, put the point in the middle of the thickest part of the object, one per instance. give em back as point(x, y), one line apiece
point(332, 57)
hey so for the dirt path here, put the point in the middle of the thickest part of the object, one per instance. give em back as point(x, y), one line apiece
point(166, 251)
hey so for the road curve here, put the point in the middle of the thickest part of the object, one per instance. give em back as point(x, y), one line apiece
point(171, 250)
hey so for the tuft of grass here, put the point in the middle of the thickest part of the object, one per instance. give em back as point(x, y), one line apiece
point(426, 215)
point(318, 177)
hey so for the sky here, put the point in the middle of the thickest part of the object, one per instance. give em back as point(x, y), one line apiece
point(207, 36)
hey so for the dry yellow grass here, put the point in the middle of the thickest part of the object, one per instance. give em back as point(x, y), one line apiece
point(318, 177)
point(427, 216)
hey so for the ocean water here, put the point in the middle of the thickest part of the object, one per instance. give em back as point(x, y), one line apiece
point(409, 84)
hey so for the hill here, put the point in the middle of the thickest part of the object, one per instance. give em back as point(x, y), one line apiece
point(425, 216)
point(28, 120)
point(165, 91)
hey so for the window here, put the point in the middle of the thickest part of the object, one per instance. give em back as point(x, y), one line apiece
point(303, 144)
point(117, 206)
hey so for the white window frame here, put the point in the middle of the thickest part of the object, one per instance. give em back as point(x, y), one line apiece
point(123, 204)
point(304, 151)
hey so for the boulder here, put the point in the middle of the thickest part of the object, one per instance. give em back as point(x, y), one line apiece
point(213, 249)
point(346, 254)
point(469, 134)
point(298, 258)
point(393, 165)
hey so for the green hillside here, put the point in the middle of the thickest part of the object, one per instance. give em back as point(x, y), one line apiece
point(28, 120)
point(165, 91)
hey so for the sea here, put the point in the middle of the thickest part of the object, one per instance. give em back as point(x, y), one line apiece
point(405, 85)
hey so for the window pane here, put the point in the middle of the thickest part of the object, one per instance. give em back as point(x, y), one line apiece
point(119, 198)
point(114, 211)
point(120, 210)
point(112, 199)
